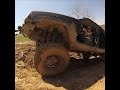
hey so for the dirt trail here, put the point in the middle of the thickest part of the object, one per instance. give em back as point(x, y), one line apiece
point(78, 76)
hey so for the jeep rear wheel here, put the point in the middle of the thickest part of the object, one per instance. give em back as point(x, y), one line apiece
point(51, 59)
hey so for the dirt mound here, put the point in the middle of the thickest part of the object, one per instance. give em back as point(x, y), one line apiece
point(78, 76)
point(24, 55)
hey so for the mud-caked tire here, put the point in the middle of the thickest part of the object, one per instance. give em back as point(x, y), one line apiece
point(51, 59)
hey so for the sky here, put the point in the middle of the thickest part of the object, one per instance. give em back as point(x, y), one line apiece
point(24, 7)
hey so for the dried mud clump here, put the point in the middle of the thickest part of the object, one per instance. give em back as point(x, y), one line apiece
point(24, 57)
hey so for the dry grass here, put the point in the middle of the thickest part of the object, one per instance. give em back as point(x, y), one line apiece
point(21, 39)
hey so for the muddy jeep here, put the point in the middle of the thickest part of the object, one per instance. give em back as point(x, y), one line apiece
point(55, 35)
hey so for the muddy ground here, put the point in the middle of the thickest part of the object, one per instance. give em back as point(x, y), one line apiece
point(78, 76)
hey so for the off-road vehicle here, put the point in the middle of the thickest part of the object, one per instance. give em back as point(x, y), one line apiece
point(55, 35)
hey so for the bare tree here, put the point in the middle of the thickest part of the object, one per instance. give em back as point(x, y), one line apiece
point(78, 12)
point(86, 13)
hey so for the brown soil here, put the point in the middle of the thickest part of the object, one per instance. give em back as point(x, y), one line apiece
point(78, 76)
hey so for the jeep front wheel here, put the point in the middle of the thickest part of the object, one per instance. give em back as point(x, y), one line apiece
point(51, 59)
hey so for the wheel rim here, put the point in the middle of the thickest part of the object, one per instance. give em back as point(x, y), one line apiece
point(53, 61)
